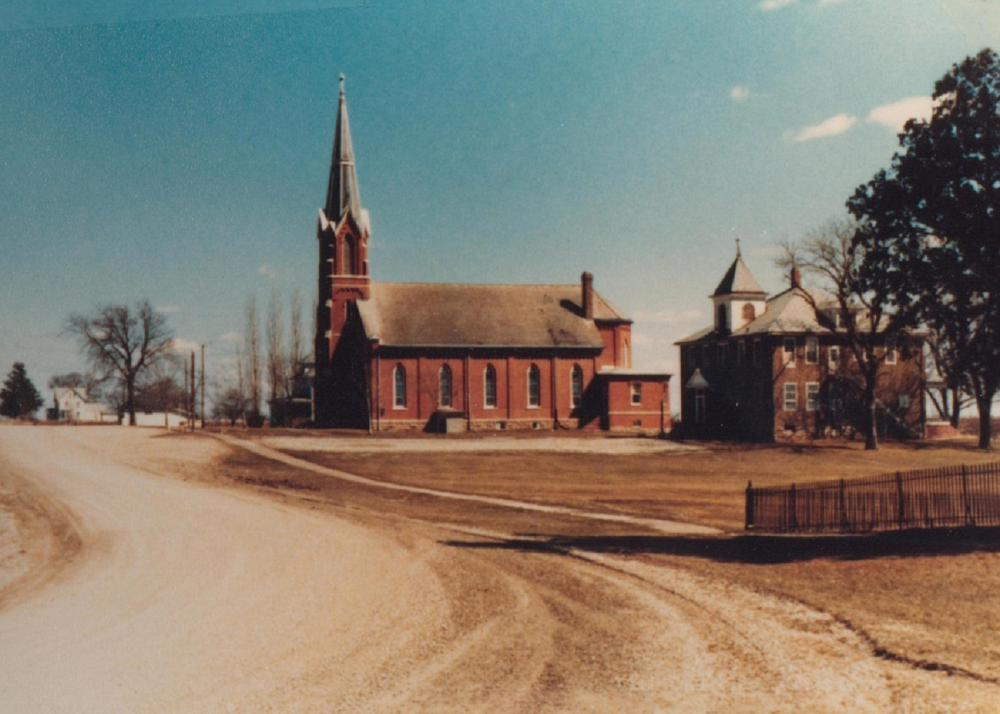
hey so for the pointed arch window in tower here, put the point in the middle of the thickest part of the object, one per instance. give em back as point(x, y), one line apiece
point(349, 264)
point(444, 387)
point(399, 387)
point(721, 324)
point(490, 387)
point(749, 312)
point(534, 386)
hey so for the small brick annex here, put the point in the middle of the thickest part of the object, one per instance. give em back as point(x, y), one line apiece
point(450, 357)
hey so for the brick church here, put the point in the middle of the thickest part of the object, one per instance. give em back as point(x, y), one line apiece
point(454, 357)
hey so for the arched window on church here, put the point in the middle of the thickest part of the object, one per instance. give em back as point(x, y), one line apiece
point(399, 387)
point(749, 313)
point(490, 387)
point(534, 386)
point(349, 265)
point(721, 324)
point(576, 386)
point(444, 386)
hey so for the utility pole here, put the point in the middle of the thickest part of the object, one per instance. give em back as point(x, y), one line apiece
point(203, 386)
point(194, 385)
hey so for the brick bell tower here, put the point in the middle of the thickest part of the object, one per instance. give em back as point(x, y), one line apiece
point(342, 231)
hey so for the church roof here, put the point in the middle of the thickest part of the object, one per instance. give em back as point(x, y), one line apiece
point(456, 315)
point(738, 280)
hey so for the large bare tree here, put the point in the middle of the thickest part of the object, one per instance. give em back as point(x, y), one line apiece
point(857, 303)
point(123, 342)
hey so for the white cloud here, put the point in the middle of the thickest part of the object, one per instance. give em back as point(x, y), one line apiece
point(184, 346)
point(895, 115)
point(667, 316)
point(267, 271)
point(168, 309)
point(829, 127)
point(828, 3)
point(768, 5)
point(739, 94)
point(230, 337)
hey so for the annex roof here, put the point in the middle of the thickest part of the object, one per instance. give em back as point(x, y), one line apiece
point(457, 315)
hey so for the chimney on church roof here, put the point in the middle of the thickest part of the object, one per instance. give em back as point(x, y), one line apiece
point(587, 298)
point(796, 277)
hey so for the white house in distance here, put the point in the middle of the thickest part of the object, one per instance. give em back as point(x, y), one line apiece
point(164, 420)
point(72, 405)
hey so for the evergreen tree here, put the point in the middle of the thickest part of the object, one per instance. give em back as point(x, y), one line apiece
point(932, 223)
point(19, 398)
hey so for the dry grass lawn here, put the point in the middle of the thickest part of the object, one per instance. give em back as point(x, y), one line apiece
point(930, 598)
point(702, 487)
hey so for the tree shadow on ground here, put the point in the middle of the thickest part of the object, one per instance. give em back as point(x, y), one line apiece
point(763, 549)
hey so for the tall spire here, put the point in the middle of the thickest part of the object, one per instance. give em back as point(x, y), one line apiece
point(342, 193)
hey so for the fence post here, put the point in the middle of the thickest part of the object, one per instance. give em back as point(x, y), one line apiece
point(965, 497)
point(901, 517)
point(844, 524)
point(793, 518)
point(749, 507)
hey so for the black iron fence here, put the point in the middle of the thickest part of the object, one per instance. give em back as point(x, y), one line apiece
point(949, 496)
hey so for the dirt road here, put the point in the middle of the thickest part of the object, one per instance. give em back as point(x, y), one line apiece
point(187, 597)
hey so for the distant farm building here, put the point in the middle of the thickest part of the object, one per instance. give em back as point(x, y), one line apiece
point(464, 357)
point(70, 404)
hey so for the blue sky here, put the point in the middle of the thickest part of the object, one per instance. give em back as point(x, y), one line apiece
point(178, 151)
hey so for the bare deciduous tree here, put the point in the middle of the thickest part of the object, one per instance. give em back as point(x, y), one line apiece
point(295, 348)
point(252, 363)
point(123, 342)
point(89, 384)
point(275, 353)
point(859, 305)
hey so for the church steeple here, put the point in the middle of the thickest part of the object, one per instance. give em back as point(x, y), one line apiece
point(342, 193)
point(342, 231)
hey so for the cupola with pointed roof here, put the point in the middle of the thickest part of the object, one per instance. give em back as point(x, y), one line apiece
point(738, 300)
